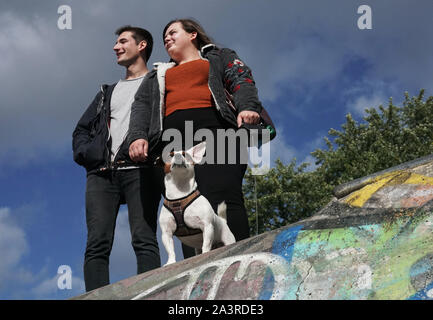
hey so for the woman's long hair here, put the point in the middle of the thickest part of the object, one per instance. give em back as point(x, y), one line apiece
point(190, 25)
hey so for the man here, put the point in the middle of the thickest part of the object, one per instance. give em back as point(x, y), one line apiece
point(99, 145)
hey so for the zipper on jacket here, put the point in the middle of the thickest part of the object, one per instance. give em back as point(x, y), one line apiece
point(107, 159)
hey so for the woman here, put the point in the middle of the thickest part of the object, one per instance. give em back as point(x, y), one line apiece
point(192, 88)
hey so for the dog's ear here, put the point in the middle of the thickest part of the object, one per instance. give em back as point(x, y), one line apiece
point(197, 152)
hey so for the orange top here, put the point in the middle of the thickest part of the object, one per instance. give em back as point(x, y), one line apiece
point(187, 86)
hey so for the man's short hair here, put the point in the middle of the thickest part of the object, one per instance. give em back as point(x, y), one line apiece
point(139, 34)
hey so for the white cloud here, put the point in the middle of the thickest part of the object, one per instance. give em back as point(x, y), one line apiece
point(13, 245)
point(312, 163)
point(21, 281)
point(19, 36)
point(361, 103)
point(280, 149)
point(30, 70)
point(48, 288)
point(317, 143)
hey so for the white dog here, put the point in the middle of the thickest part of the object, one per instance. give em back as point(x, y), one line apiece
point(187, 214)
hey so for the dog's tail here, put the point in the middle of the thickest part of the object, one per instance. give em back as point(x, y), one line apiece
point(222, 210)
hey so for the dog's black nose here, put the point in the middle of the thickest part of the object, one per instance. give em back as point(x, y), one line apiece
point(178, 159)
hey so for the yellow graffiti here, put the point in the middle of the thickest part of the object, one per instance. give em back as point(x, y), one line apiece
point(359, 197)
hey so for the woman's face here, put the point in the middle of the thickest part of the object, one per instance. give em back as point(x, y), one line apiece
point(177, 40)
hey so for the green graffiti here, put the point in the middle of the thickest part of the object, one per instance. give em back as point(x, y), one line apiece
point(360, 262)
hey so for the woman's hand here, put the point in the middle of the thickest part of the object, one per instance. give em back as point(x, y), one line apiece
point(138, 150)
point(250, 117)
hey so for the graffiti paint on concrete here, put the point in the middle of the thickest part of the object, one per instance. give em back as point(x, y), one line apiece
point(364, 262)
point(374, 261)
point(388, 260)
point(421, 272)
point(375, 242)
point(254, 276)
point(413, 190)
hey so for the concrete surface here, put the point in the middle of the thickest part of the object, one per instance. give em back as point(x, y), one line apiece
point(374, 240)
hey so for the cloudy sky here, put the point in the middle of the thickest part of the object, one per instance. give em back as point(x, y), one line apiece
point(311, 62)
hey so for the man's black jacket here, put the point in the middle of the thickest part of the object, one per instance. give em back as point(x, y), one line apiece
point(91, 141)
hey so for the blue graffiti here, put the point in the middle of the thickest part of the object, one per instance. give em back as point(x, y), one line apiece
point(421, 273)
point(283, 246)
point(267, 286)
point(423, 294)
point(284, 242)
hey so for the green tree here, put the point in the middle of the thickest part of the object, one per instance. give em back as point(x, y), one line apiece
point(386, 137)
point(284, 195)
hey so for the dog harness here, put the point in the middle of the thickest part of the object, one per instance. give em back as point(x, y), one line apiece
point(177, 208)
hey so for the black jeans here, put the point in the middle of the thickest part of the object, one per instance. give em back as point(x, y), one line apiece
point(140, 189)
point(223, 182)
point(216, 182)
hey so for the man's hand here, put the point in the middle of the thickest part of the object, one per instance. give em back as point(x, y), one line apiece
point(138, 150)
point(250, 117)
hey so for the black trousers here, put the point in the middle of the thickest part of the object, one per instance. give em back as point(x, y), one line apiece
point(217, 182)
point(223, 183)
point(105, 192)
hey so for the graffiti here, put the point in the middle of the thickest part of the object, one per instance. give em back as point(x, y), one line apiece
point(320, 270)
point(361, 262)
point(424, 294)
point(254, 276)
point(375, 243)
point(388, 260)
point(413, 190)
point(421, 275)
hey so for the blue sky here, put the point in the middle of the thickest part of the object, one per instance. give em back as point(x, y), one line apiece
point(312, 66)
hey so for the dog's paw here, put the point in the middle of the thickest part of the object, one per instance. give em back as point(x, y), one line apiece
point(169, 262)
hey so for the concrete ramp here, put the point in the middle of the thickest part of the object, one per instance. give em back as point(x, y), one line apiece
point(374, 240)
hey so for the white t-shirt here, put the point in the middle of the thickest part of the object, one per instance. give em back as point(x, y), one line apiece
point(121, 101)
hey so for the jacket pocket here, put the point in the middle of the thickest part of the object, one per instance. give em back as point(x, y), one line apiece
point(93, 153)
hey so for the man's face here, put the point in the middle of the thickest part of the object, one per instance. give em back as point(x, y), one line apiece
point(126, 48)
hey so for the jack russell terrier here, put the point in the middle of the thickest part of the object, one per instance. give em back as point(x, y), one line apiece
point(186, 213)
